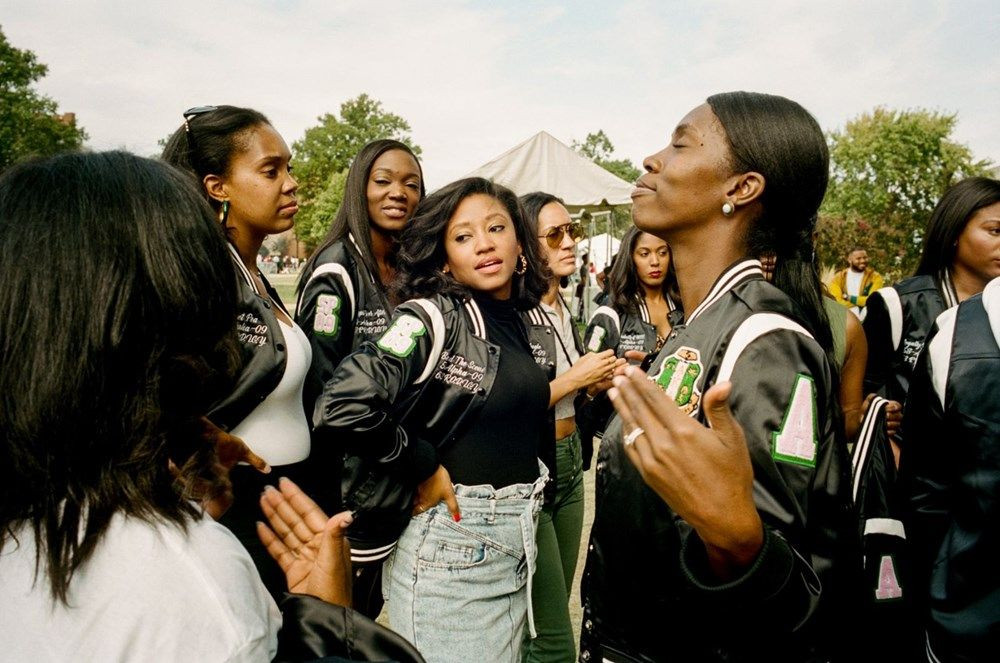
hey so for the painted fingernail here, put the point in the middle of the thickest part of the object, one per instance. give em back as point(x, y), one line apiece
point(457, 517)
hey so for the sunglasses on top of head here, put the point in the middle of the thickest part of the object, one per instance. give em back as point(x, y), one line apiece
point(554, 236)
point(192, 113)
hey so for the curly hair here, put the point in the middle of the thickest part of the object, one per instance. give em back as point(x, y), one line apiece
point(103, 384)
point(422, 256)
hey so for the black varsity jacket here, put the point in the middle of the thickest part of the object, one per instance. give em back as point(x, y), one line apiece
point(262, 350)
point(339, 307)
point(951, 469)
point(395, 401)
point(544, 347)
point(647, 595)
point(896, 324)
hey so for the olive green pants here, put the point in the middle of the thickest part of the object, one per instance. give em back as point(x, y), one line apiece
point(558, 543)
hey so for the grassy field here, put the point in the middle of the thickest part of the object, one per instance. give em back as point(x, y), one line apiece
point(285, 285)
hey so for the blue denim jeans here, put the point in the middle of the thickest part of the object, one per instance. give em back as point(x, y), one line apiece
point(461, 591)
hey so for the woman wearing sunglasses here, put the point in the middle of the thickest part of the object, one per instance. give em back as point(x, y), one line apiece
point(572, 375)
point(344, 296)
point(241, 164)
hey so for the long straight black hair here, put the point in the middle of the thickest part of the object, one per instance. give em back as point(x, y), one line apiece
point(352, 217)
point(117, 330)
point(624, 286)
point(782, 141)
point(422, 255)
point(949, 219)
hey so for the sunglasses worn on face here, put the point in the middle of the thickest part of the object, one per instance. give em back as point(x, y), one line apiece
point(191, 113)
point(554, 236)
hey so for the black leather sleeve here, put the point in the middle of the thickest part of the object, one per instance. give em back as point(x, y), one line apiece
point(357, 407)
point(313, 630)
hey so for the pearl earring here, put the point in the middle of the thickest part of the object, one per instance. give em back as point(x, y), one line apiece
point(727, 208)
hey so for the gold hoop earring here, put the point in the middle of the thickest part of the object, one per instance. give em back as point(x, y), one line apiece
point(224, 211)
point(522, 265)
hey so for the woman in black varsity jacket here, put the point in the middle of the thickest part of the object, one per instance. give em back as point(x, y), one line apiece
point(642, 297)
point(724, 543)
point(956, 263)
point(344, 296)
point(445, 415)
point(951, 469)
point(241, 164)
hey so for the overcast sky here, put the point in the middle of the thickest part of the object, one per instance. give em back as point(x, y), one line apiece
point(475, 78)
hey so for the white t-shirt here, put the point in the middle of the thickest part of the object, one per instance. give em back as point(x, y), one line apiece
point(277, 429)
point(148, 593)
point(564, 328)
point(854, 282)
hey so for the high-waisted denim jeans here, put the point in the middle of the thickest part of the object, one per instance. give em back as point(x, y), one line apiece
point(461, 591)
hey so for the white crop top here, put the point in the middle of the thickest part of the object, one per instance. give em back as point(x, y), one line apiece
point(277, 429)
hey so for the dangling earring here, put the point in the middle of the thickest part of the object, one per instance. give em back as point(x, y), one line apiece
point(224, 211)
point(727, 208)
point(522, 265)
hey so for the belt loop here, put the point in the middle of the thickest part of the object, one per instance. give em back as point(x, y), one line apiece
point(528, 541)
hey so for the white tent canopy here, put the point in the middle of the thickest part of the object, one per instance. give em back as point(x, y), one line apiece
point(600, 247)
point(543, 163)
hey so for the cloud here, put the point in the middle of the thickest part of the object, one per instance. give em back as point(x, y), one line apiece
point(473, 78)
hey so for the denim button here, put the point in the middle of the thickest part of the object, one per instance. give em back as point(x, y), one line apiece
point(589, 625)
point(493, 350)
point(585, 656)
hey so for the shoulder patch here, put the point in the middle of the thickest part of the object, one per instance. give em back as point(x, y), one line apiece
point(401, 337)
point(888, 584)
point(678, 377)
point(596, 338)
point(797, 439)
point(326, 323)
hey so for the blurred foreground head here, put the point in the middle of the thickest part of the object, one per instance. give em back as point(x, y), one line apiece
point(116, 319)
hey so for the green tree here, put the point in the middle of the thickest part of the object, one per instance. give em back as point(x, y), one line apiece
point(327, 149)
point(29, 123)
point(598, 148)
point(888, 168)
point(323, 208)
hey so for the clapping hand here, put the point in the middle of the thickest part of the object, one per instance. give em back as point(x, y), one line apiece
point(310, 547)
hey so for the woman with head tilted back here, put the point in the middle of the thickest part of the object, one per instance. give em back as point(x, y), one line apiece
point(719, 543)
point(242, 166)
point(344, 293)
point(446, 413)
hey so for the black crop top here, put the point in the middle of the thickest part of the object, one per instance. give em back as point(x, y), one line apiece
point(500, 446)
